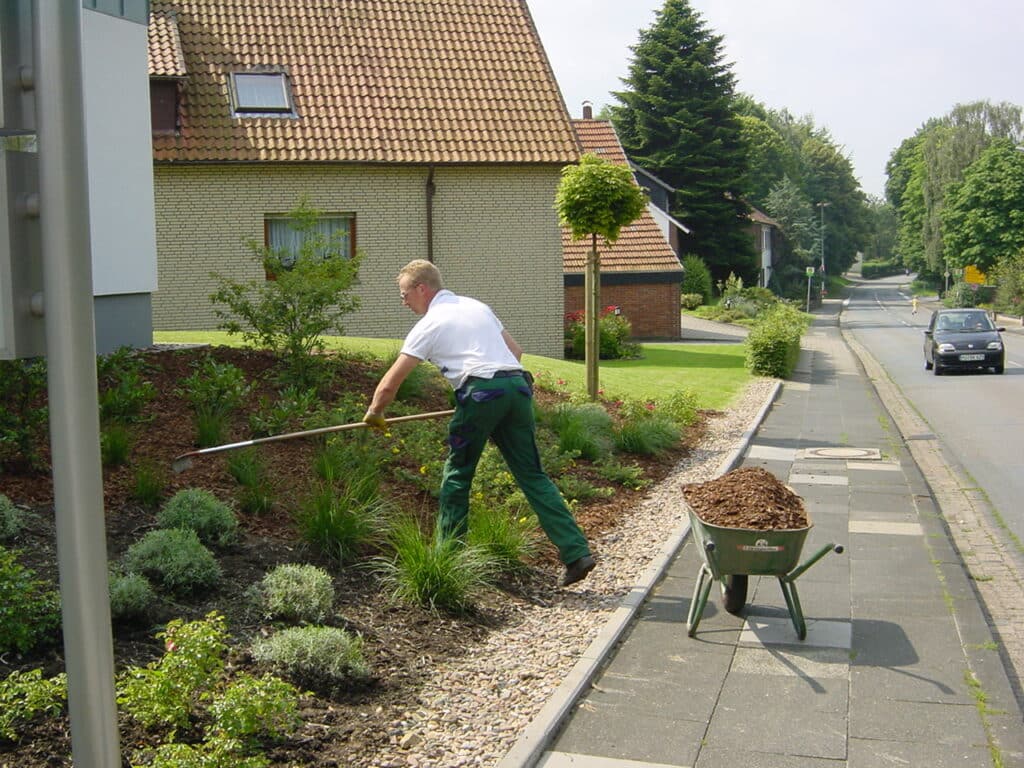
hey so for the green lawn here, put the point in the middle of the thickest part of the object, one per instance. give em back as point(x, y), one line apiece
point(715, 371)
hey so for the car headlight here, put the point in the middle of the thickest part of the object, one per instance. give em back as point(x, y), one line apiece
point(995, 345)
point(945, 347)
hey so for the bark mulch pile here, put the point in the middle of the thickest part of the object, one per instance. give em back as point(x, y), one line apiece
point(748, 497)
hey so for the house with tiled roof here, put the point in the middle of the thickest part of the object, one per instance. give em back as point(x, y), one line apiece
point(640, 273)
point(421, 128)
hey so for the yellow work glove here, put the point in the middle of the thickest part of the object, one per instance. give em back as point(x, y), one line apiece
point(375, 420)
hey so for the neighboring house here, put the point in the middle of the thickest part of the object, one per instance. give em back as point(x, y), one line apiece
point(766, 234)
point(640, 273)
point(422, 130)
point(660, 196)
point(122, 241)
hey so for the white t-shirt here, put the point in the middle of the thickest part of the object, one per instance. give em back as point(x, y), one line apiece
point(462, 337)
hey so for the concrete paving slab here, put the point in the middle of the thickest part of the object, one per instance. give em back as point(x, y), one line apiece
point(818, 479)
point(636, 697)
point(773, 728)
point(808, 663)
point(770, 452)
point(870, 500)
point(930, 682)
point(874, 466)
point(872, 753)
point(773, 630)
point(566, 760)
point(667, 740)
point(803, 694)
point(712, 757)
point(885, 528)
point(916, 722)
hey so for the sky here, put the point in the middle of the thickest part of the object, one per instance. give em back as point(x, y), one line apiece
point(871, 72)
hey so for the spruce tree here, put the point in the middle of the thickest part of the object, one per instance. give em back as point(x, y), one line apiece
point(677, 120)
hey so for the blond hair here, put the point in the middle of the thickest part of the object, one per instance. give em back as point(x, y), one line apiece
point(422, 272)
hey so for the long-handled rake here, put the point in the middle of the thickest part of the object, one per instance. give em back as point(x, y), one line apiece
point(184, 461)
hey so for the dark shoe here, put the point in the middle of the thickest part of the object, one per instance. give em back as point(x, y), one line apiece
point(577, 570)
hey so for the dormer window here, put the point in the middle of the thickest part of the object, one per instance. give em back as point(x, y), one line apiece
point(262, 94)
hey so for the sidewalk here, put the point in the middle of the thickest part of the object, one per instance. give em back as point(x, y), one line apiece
point(898, 667)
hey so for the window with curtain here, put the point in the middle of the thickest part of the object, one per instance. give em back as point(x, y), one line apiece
point(335, 231)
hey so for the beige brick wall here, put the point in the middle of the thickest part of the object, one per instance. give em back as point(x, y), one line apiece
point(496, 237)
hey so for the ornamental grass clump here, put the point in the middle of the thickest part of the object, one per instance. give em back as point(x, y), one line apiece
point(585, 429)
point(647, 436)
point(295, 592)
point(440, 574)
point(174, 560)
point(339, 522)
point(315, 656)
point(215, 390)
point(255, 493)
point(149, 481)
point(510, 540)
point(198, 510)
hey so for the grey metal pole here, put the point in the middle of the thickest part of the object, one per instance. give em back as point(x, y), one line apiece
point(71, 366)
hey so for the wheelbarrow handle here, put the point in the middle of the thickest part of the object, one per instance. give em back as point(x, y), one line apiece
point(825, 549)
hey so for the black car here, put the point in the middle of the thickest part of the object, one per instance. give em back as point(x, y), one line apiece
point(962, 340)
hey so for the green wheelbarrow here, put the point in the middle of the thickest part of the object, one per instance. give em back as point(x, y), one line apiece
point(731, 555)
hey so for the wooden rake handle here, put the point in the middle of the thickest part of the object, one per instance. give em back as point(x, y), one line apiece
point(184, 461)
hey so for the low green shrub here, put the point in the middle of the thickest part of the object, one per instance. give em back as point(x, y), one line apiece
point(627, 475)
point(313, 655)
point(25, 695)
point(961, 294)
point(198, 510)
point(576, 488)
point(614, 332)
point(131, 596)
point(174, 559)
point(296, 592)
point(29, 607)
point(681, 406)
point(292, 407)
point(215, 390)
point(212, 753)
point(123, 392)
point(251, 708)
point(24, 417)
point(166, 692)
point(696, 277)
point(436, 573)
point(690, 301)
point(773, 345)
point(12, 519)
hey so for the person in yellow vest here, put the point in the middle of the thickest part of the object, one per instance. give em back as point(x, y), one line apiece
point(913, 305)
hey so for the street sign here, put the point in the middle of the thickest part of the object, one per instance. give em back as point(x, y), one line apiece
point(810, 271)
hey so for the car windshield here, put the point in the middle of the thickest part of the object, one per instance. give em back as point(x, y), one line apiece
point(967, 322)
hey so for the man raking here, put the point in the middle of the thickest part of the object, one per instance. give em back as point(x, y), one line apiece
point(494, 400)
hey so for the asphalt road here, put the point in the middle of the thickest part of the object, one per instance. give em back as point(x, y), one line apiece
point(978, 417)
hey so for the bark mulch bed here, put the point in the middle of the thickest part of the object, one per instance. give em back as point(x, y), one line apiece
point(403, 643)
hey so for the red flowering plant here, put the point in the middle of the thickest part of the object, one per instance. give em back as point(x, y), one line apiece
point(614, 331)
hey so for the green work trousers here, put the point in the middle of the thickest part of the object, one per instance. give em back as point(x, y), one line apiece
point(502, 409)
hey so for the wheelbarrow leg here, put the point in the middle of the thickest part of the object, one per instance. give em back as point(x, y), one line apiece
point(793, 604)
point(700, 599)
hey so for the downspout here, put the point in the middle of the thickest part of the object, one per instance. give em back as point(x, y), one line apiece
point(430, 214)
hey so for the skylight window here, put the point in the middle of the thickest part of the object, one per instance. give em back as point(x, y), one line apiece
point(261, 93)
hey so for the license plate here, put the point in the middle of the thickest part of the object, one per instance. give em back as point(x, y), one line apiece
point(969, 358)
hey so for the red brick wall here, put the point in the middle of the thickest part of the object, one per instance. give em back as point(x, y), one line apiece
point(652, 310)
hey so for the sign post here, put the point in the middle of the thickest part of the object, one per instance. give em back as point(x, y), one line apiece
point(810, 274)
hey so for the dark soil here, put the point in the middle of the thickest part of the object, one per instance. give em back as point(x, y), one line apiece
point(748, 497)
point(403, 644)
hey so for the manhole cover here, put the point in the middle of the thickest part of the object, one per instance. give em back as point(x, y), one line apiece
point(843, 453)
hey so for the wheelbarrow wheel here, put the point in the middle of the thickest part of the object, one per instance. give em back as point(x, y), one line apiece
point(734, 592)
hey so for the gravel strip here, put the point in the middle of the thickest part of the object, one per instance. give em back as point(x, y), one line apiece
point(473, 709)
